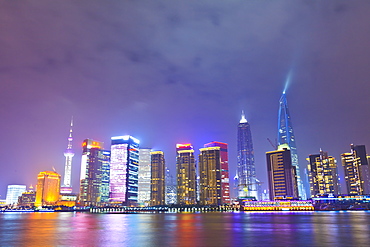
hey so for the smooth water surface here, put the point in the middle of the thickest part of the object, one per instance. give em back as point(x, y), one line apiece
point(186, 229)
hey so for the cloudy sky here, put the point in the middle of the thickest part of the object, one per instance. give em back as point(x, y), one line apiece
point(169, 72)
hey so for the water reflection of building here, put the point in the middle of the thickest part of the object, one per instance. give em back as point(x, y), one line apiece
point(281, 174)
point(210, 176)
point(186, 175)
point(48, 188)
point(144, 176)
point(323, 174)
point(124, 170)
point(94, 180)
point(356, 170)
point(158, 186)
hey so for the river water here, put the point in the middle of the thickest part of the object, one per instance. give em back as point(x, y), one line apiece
point(186, 229)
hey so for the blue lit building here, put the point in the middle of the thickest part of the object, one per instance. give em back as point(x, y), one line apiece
point(286, 136)
point(246, 170)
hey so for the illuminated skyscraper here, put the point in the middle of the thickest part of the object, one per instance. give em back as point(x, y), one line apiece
point(48, 188)
point(247, 184)
point(323, 175)
point(186, 175)
point(210, 176)
point(286, 136)
point(158, 186)
point(94, 179)
point(144, 176)
point(225, 182)
point(67, 186)
point(356, 169)
point(281, 174)
point(124, 168)
point(14, 191)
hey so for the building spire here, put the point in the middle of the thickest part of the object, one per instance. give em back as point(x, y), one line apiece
point(70, 139)
point(243, 119)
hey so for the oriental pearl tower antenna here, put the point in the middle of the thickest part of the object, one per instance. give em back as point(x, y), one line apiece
point(68, 153)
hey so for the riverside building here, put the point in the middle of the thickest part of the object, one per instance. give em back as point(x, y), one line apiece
point(158, 186)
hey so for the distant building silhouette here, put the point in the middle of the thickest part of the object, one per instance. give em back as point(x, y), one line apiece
point(281, 174)
point(186, 175)
point(124, 170)
point(323, 175)
point(356, 169)
point(94, 179)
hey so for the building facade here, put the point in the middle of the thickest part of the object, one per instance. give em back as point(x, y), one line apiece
point(210, 189)
point(171, 188)
point(225, 181)
point(186, 175)
point(158, 185)
point(144, 176)
point(95, 174)
point(356, 170)
point(247, 184)
point(124, 170)
point(323, 175)
point(281, 174)
point(286, 136)
point(14, 192)
point(48, 188)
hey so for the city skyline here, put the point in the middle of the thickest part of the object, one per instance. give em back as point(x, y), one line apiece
point(171, 73)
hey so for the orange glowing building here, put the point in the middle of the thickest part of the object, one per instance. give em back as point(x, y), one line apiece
point(48, 188)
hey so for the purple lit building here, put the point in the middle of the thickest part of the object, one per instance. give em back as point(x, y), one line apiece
point(124, 168)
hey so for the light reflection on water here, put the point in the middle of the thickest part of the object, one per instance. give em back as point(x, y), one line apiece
point(186, 229)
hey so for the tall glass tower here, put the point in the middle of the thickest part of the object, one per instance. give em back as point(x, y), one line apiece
point(247, 184)
point(286, 136)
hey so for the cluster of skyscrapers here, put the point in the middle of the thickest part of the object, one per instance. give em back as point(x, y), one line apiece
point(128, 175)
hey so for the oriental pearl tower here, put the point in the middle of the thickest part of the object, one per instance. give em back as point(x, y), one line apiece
point(68, 153)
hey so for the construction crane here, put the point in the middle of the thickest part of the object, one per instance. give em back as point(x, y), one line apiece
point(274, 145)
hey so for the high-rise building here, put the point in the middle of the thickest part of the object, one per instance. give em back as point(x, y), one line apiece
point(225, 181)
point(48, 188)
point(158, 186)
point(68, 153)
point(247, 184)
point(144, 176)
point(210, 176)
point(14, 191)
point(171, 189)
point(124, 168)
point(356, 169)
point(281, 174)
point(186, 175)
point(323, 175)
point(286, 136)
point(94, 179)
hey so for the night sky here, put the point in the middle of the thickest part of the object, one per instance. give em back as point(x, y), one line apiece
point(168, 72)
